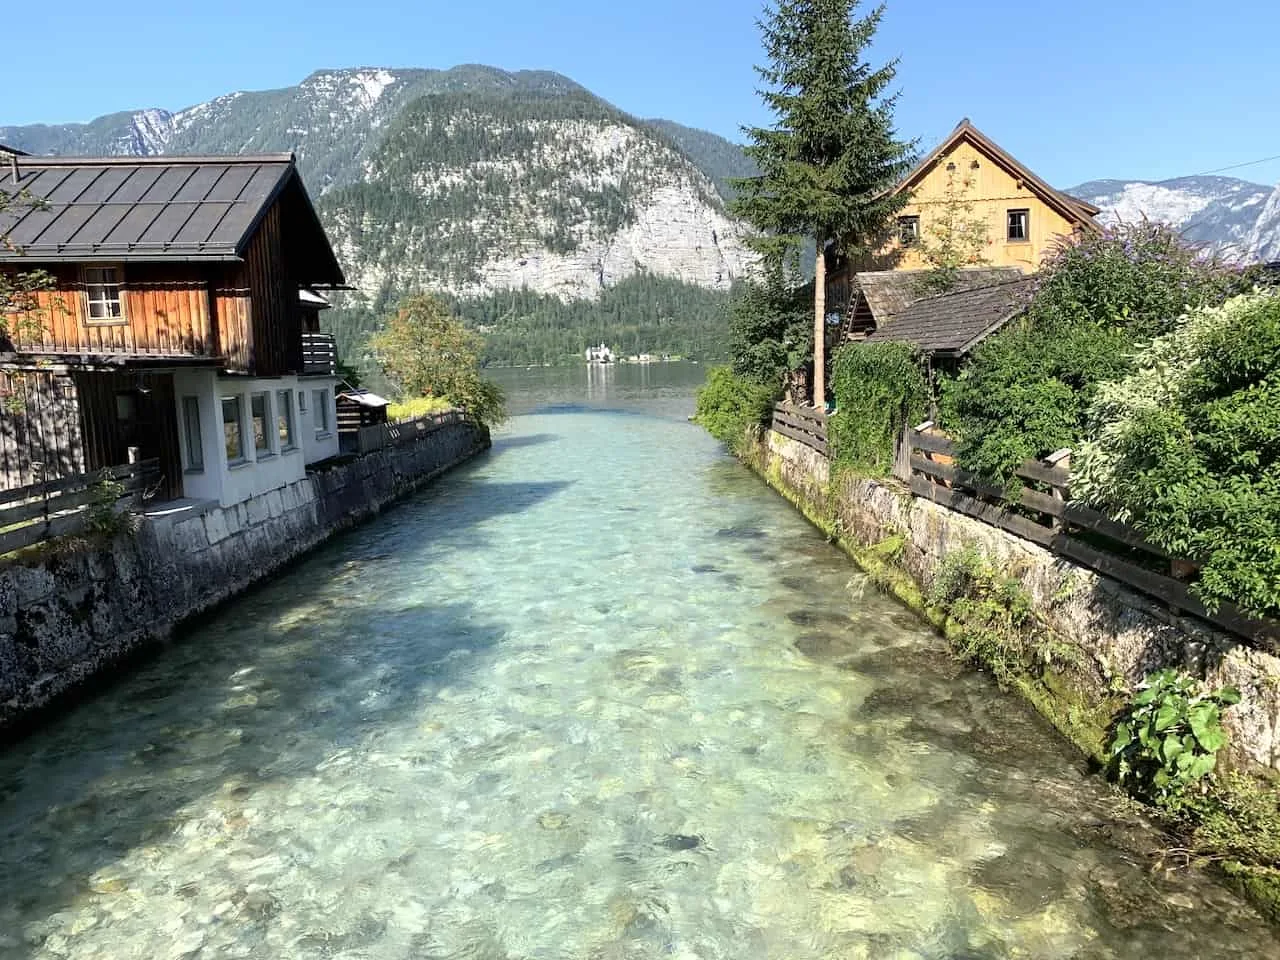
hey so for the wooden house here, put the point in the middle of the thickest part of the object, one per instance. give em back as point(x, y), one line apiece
point(972, 175)
point(172, 327)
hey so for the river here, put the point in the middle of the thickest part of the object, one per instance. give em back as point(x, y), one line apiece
point(599, 694)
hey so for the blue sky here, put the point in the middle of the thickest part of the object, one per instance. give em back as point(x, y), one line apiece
point(1077, 90)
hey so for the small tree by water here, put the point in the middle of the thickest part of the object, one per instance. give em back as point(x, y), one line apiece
point(427, 352)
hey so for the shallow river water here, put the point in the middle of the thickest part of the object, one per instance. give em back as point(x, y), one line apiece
point(599, 694)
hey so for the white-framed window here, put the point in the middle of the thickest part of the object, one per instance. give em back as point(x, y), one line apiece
point(191, 432)
point(284, 419)
point(233, 428)
point(260, 419)
point(104, 301)
point(1019, 225)
point(320, 404)
point(909, 230)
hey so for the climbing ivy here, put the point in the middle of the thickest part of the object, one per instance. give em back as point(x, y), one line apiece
point(879, 389)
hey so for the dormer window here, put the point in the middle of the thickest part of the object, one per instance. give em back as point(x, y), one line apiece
point(104, 303)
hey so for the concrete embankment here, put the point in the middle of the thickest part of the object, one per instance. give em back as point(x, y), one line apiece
point(1101, 637)
point(70, 613)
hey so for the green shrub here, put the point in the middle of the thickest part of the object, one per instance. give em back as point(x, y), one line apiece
point(879, 389)
point(727, 404)
point(1028, 389)
point(410, 408)
point(988, 612)
point(771, 325)
point(1168, 738)
point(1188, 449)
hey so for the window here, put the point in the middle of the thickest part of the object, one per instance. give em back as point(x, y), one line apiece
point(321, 404)
point(261, 424)
point(102, 295)
point(191, 431)
point(302, 401)
point(126, 406)
point(233, 429)
point(1019, 225)
point(908, 230)
point(284, 418)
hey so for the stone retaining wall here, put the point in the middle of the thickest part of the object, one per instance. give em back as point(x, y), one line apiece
point(71, 613)
point(1117, 635)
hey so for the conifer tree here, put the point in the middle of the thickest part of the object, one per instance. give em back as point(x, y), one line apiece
point(828, 163)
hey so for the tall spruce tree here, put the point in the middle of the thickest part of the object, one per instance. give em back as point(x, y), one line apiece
point(828, 163)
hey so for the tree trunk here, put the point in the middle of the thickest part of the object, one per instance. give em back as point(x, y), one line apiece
point(820, 329)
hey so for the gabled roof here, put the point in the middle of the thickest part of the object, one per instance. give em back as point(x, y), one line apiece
point(156, 209)
point(11, 151)
point(954, 323)
point(889, 292)
point(1072, 208)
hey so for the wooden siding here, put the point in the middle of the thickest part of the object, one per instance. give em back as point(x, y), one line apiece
point(276, 321)
point(166, 314)
point(993, 192)
point(154, 429)
point(40, 436)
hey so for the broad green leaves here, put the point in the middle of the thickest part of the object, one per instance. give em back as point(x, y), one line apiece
point(1169, 737)
point(879, 389)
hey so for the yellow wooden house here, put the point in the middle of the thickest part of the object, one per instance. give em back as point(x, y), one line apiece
point(968, 176)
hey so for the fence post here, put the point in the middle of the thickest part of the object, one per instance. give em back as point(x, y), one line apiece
point(1059, 458)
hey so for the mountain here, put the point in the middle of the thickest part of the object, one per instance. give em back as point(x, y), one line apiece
point(720, 159)
point(1223, 214)
point(477, 183)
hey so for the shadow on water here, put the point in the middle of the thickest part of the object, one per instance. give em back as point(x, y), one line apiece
point(326, 657)
point(501, 442)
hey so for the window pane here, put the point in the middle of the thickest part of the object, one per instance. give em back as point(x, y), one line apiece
point(321, 411)
point(191, 426)
point(231, 429)
point(284, 418)
point(258, 408)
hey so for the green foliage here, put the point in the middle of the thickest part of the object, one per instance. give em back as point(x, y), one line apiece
point(102, 518)
point(879, 389)
point(728, 404)
point(427, 352)
point(953, 237)
point(987, 612)
point(828, 162)
point(771, 324)
point(1028, 389)
point(410, 408)
point(1168, 739)
point(1239, 817)
point(20, 312)
point(1188, 449)
point(641, 314)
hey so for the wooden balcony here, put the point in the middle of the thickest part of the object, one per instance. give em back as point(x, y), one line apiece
point(319, 354)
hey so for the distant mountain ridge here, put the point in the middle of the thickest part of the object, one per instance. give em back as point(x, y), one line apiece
point(473, 181)
point(1235, 218)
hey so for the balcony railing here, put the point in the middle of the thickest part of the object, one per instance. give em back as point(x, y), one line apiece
point(319, 354)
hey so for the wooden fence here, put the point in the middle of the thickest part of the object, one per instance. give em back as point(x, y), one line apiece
point(381, 435)
point(57, 508)
point(805, 424)
point(1044, 513)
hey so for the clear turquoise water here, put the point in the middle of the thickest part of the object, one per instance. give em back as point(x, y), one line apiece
point(600, 694)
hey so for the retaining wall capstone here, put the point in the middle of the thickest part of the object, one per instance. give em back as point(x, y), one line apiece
point(69, 614)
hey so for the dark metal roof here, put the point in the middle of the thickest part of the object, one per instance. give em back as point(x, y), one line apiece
point(79, 209)
point(954, 323)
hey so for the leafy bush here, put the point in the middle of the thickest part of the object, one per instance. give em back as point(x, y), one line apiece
point(987, 611)
point(411, 408)
point(1188, 449)
point(1169, 737)
point(879, 389)
point(727, 404)
point(1028, 390)
point(771, 326)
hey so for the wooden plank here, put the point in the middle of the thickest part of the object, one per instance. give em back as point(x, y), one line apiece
point(1165, 589)
point(1032, 499)
point(1082, 516)
point(801, 437)
point(36, 532)
point(1032, 470)
point(988, 513)
point(932, 443)
point(145, 467)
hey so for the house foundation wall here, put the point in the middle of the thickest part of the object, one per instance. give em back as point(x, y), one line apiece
point(75, 612)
